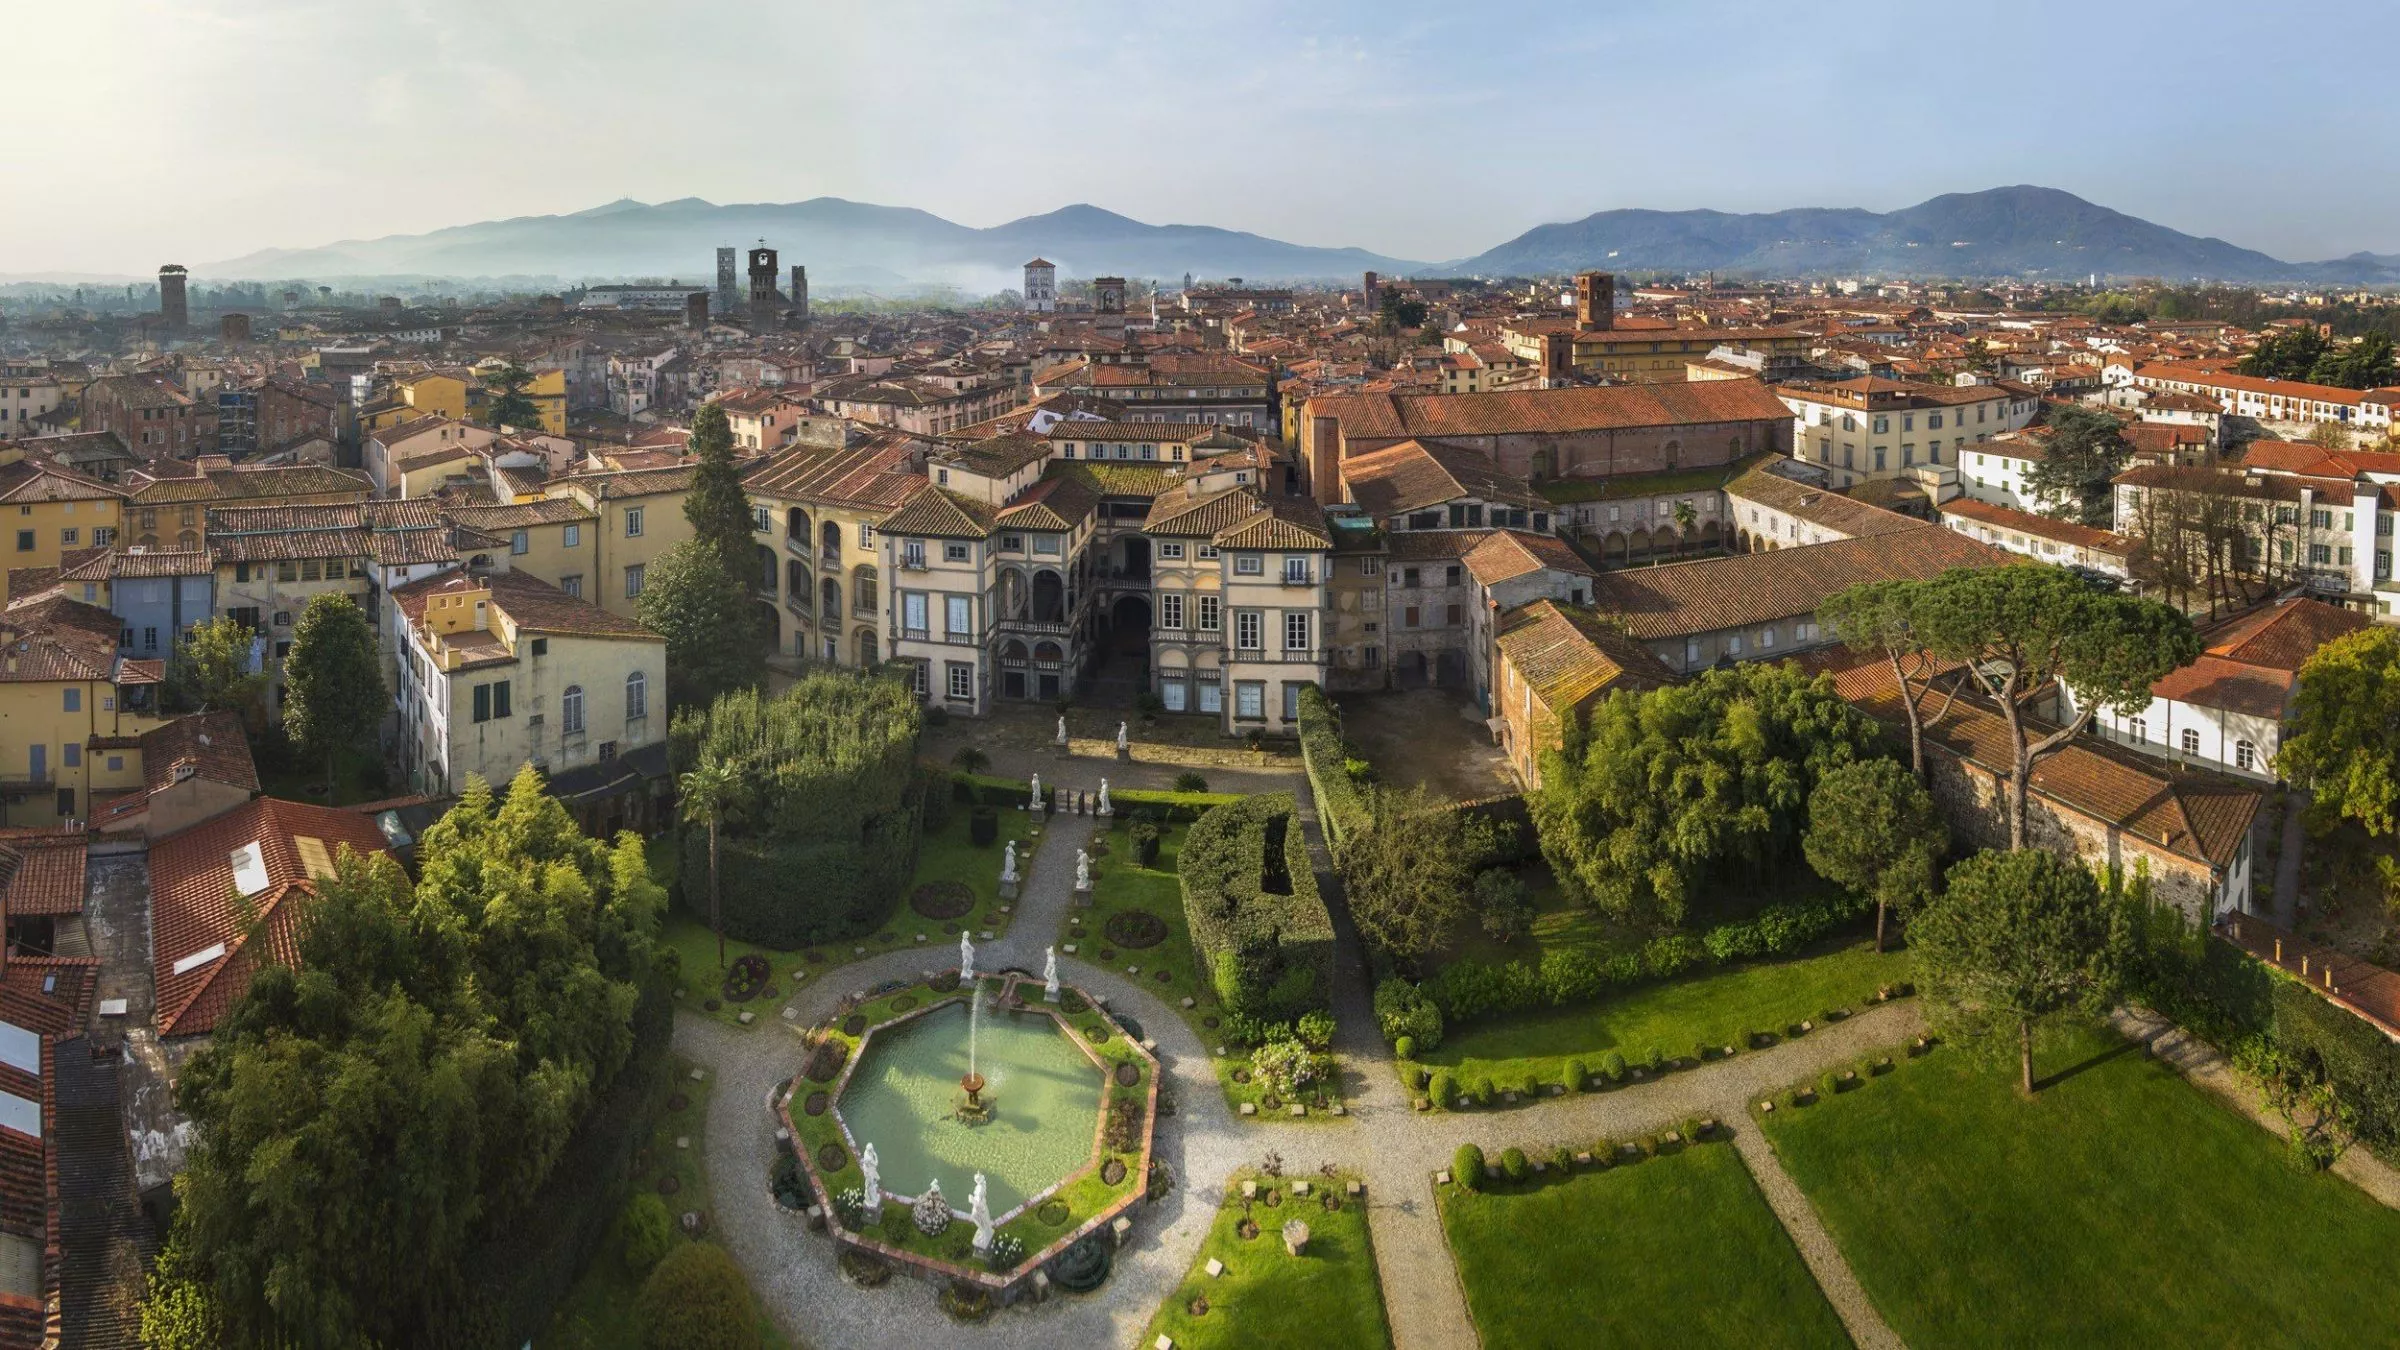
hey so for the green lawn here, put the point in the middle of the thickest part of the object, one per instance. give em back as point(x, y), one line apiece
point(2119, 1207)
point(598, 1313)
point(946, 854)
point(1121, 885)
point(1327, 1296)
point(1677, 1250)
point(1672, 1017)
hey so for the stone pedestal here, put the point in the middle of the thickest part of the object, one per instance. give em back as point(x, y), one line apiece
point(1124, 754)
point(1008, 890)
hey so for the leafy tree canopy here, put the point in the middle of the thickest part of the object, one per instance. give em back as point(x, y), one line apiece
point(506, 402)
point(2086, 449)
point(366, 1116)
point(333, 694)
point(211, 668)
point(2017, 940)
point(704, 611)
point(1408, 874)
point(2344, 745)
point(1873, 831)
point(1666, 789)
point(717, 506)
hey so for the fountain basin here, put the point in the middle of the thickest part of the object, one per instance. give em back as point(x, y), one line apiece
point(1040, 1097)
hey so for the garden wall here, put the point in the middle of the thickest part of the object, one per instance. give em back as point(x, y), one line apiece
point(1257, 920)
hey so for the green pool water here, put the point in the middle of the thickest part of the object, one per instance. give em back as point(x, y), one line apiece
point(1044, 1094)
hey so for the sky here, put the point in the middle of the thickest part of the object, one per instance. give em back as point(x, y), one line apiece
point(198, 130)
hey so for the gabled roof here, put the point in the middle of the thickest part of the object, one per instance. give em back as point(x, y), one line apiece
point(1417, 474)
point(206, 938)
point(938, 513)
point(879, 472)
point(1682, 599)
point(1566, 655)
point(1281, 523)
point(1050, 504)
point(1507, 554)
point(1395, 416)
point(44, 872)
point(1201, 515)
point(2284, 634)
point(52, 638)
point(210, 743)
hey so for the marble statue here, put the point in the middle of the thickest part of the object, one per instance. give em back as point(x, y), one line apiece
point(1008, 865)
point(874, 1188)
point(979, 1209)
point(1050, 975)
point(966, 959)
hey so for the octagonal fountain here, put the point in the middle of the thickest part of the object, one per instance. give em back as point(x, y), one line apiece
point(1023, 1094)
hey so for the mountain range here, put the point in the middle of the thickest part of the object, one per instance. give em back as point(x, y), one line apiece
point(2018, 231)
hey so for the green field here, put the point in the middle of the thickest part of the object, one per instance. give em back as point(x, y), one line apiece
point(2121, 1206)
point(1329, 1296)
point(1673, 1017)
point(1677, 1250)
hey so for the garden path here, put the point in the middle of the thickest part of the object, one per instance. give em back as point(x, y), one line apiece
point(1868, 1330)
point(1201, 1142)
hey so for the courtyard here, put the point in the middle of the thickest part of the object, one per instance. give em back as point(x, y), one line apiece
point(1434, 738)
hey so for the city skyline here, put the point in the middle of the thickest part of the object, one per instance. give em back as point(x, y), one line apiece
point(1413, 134)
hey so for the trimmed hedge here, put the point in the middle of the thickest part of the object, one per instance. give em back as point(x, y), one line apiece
point(1341, 811)
point(1257, 921)
point(977, 789)
point(1403, 1011)
point(826, 841)
point(1181, 808)
point(1467, 990)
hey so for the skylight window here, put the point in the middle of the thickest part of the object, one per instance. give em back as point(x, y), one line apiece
point(212, 952)
point(249, 869)
point(20, 1049)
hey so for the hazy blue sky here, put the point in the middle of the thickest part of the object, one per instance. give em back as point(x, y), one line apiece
point(196, 130)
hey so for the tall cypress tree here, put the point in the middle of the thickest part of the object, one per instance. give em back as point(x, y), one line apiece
point(717, 507)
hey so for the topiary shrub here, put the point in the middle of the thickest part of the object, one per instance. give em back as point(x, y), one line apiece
point(695, 1299)
point(1007, 1251)
point(1405, 1047)
point(1514, 1166)
point(1445, 1090)
point(1189, 781)
point(1467, 1167)
point(1656, 1063)
point(983, 826)
point(1614, 1066)
point(1485, 1093)
point(645, 1233)
point(1579, 1078)
point(1402, 1009)
point(1700, 1051)
point(1145, 843)
point(1563, 1158)
point(1315, 1028)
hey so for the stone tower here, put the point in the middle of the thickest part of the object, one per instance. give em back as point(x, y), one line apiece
point(1595, 301)
point(1041, 286)
point(171, 306)
point(762, 287)
point(799, 293)
point(729, 293)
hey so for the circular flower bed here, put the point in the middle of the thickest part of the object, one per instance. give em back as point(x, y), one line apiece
point(826, 1061)
point(1052, 1212)
point(1164, 977)
point(1241, 1075)
point(945, 982)
point(864, 1269)
point(1209, 1021)
point(1197, 1307)
point(1108, 953)
point(1245, 1230)
point(904, 1003)
point(1135, 928)
point(668, 1185)
point(854, 1025)
point(1072, 1004)
point(816, 1103)
point(942, 899)
point(1128, 1075)
point(831, 1158)
point(745, 978)
point(1112, 1171)
point(1096, 1033)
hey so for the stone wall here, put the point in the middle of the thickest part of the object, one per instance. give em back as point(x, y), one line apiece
point(1974, 802)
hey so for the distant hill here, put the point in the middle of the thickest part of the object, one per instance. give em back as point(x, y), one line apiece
point(840, 242)
point(2010, 231)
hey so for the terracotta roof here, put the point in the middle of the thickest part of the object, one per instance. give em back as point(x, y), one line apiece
point(1394, 416)
point(499, 520)
point(37, 480)
point(1567, 655)
point(2038, 527)
point(1280, 523)
point(142, 563)
point(211, 743)
point(939, 513)
point(1846, 516)
point(1050, 504)
point(2193, 814)
point(533, 604)
point(1506, 554)
point(1681, 599)
point(877, 473)
point(2285, 634)
point(52, 638)
point(193, 906)
point(45, 871)
point(997, 456)
point(1417, 474)
point(1183, 513)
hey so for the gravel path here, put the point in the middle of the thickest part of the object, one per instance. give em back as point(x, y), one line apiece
point(1825, 1261)
point(1201, 1142)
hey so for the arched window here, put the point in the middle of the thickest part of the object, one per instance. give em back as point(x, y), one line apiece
point(795, 525)
point(2245, 755)
point(2191, 741)
point(863, 582)
point(1674, 452)
point(766, 570)
point(829, 600)
point(187, 541)
point(866, 646)
point(799, 586)
point(570, 710)
point(833, 539)
point(637, 696)
point(1735, 446)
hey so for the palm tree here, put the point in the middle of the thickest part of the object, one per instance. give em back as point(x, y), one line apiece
point(1685, 519)
point(709, 790)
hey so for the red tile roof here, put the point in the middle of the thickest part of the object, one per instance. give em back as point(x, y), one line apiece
point(44, 872)
point(1399, 416)
point(193, 901)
